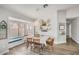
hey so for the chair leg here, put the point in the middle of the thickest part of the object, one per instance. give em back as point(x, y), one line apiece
point(27, 44)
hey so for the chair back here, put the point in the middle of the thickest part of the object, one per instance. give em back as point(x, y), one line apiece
point(29, 39)
point(50, 41)
point(36, 40)
point(37, 35)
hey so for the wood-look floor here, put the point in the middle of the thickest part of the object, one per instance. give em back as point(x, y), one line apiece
point(61, 49)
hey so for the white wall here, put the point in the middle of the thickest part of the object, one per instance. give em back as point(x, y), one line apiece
point(5, 13)
point(73, 12)
point(75, 30)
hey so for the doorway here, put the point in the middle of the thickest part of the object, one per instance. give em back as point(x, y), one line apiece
point(72, 30)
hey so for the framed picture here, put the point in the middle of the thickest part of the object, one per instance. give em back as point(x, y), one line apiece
point(44, 25)
point(61, 26)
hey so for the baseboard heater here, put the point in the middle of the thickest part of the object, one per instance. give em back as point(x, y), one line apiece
point(15, 40)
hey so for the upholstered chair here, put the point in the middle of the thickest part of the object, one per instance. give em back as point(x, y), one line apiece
point(50, 44)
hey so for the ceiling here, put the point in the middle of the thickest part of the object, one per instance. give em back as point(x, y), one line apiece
point(31, 10)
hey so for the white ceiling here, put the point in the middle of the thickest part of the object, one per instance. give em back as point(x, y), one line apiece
point(31, 10)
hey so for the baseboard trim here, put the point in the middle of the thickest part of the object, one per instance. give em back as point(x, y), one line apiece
point(77, 42)
point(60, 42)
point(2, 53)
